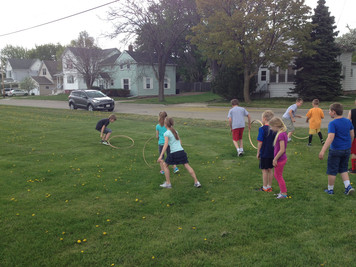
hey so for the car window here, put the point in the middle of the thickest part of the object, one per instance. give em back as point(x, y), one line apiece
point(95, 94)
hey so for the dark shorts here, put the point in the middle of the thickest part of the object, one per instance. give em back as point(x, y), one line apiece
point(160, 147)
point(237, 134)
point(266, 163)
point(106, 130)
point(176, 158)
point(338, 161)
point(353, 147)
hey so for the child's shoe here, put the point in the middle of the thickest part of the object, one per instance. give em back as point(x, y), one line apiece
point(309, 144)
point(197, 184)
point(105, 143)
point(349, 190)
point(281, 196)
point(330, 192)
point(269, 189)
point(175, 170)
point(161, 172)
point(322, 141)
point(165, 185)
point(262, 189)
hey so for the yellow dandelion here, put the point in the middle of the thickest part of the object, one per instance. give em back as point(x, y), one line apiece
point(108, 220)
point(79, 241)
point(82, 251)
point(115, 180)
point(205, 239)
point(153, 257)
point(63, 233)
point(112, 264)
point(136, 199)
point(97, 226)
point(33, 214)
point(28, 190)
point(213, 200)
point(67, 201)
point(61, 239)
point(168, 205)
point(84, 240)
point(17, 214)
point(180, 228)
point(104, 233)
point(143, 217)
point(194, 228)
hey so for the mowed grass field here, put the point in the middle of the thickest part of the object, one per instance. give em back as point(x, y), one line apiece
point(67, 200)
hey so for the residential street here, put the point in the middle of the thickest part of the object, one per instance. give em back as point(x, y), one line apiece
point(195, 110)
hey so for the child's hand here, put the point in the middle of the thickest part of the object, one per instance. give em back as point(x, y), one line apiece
point(321, 155)
point(274, 163)
point(258, 156)
point(159, 159)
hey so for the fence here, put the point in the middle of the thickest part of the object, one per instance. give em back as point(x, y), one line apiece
point(182, 87)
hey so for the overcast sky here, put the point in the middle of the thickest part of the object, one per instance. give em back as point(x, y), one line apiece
point(20, 14)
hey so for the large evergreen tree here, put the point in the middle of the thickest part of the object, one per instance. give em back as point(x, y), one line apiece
point(318, 74)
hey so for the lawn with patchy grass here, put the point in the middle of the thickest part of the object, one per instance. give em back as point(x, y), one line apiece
point(67, 200)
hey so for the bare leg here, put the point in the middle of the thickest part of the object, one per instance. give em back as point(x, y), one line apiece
point(107, 136)
point(345, 176)
point(166, 173)
point(331, 179)
point(191, 172)
point(265, 177)
point(235, 144)
point(269, 177)
point(241, 144)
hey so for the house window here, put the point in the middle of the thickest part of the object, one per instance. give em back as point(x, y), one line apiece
point(10, 74)
point(281, 75)
point(126, 84)
point(128, 66)
point(352, 73)
point(70, 79)
point(291, 74)
point(263, 75)
point(147, 83)
point(69, 65)
point(273, 75)
point(112, 82)
point(47, 87)
point(44, 71)
point(121, 66)
point(167, 83)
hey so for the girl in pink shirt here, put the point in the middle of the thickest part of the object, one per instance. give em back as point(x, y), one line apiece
point(280, 157)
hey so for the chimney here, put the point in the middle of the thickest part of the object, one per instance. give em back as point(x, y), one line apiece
point(130, 48)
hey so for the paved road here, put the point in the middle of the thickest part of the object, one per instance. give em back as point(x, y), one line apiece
point(194, 111)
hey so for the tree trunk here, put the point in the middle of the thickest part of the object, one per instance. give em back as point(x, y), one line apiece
point(246, 86)
point(161, 74)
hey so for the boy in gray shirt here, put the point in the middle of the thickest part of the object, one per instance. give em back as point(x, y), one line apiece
point(236, 118)
point(289, 116)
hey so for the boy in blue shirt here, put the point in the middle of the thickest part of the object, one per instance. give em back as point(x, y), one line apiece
point(340, 137)
point(265, 151)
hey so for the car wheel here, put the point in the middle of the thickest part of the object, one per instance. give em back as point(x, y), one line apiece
point(72, 106)
point(90, 107)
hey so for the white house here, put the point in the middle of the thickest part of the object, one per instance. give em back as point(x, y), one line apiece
point(18, 69)
point(278, 82)
point(49, 80)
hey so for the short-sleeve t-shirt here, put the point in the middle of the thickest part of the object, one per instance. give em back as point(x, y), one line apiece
point(161, 130)
point(315, 115)
point(237, 115)
point(173, 143)
point(294, 108)
point(101, 123)
point(341, 128)
point(266, 136)
point(281, 137)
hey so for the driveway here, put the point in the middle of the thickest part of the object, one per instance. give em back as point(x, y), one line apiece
point(194, 110)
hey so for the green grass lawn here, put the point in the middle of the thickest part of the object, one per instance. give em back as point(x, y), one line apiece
point(67, 200)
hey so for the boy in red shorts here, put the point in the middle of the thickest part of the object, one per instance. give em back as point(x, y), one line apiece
point(236, 118)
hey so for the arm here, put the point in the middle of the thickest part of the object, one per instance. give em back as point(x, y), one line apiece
point(282, 149)
point(291, 115)
point(102, 131)
point(157, 135)
point(352, 134)
point(349, 115)
point(259, 149)
point(328, 142)
point(249, 121)
point(230, 123)
point(163, 149)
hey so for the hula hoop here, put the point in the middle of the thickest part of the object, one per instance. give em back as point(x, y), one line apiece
point(249, 133)
point(300, 138)
point(133, 142)
point(143, 151)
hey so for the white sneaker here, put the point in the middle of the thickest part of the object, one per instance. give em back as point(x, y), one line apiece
point(165, 185)
point(197, 184)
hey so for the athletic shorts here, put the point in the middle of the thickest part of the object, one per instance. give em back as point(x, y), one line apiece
point(353, 146)
point(176, 158)
point(106, 130)
point(314, 131)
point(289, 124)
point(237, 134)
point(338, 161)
point(266, 163)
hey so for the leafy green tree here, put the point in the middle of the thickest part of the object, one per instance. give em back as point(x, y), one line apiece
point(160, 27)
point(251, 33)
point(84, 40)
point(28, 84)
point(347, 42)
point(318, 74)
point(46, 51)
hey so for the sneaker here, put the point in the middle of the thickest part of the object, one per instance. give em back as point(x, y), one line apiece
point(309, 144)
point(281, 196)
point(197, 184)
point(161, 172)
point(165, 185)
point(175, 170)
point(349, 190)
point(105, 143)
point(269, 189)
point(240, 154)
point(330, 192)
point(262, 189)
point(322, 142)
point(289, 140)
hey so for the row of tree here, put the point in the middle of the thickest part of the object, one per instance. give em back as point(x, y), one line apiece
point(231, 38)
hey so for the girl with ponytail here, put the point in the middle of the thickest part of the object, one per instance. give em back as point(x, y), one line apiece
point(176, 156)
point(280, 157)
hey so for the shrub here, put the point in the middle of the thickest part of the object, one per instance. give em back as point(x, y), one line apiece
point(116, 92)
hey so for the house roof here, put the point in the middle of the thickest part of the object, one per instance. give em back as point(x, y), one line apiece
point(42, 80)
point(17, 63)
point(145, 58)
point(110, 60)
point(105, 75)
point(54, 67)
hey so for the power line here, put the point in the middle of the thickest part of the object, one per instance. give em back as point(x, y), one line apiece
point(46, 23)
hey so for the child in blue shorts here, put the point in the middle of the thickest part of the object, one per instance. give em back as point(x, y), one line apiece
point(265, 151)
point(340, 137)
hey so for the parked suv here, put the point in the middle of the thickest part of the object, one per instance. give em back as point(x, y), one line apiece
point(90, 100)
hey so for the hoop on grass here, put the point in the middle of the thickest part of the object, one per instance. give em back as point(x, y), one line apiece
point(249, 132)
point(300, 138)
point(143, 151)
point(116, 147)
